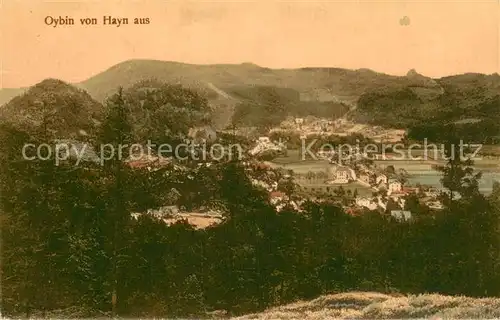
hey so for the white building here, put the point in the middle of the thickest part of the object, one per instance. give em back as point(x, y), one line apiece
point(436, 205)
point(341, 174)
point(366, 203)
point(264, 144)
point(160, 213)
point(273, 186)
point(401, 215)
point(394, 186)
point(264, 140)
point(299, 121)
point(279, 200)
point(432, 193)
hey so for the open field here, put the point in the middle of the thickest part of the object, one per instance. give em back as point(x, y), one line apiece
point(420, 171)
point(423, 173)
point(292, 156)
point(293, 161)
point(490, 149)
point(362, 190)
point(371, 305)
point(304, 166)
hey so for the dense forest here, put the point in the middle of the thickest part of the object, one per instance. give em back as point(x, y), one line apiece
point(70, 247)
point(472, 110)
point(266, 107)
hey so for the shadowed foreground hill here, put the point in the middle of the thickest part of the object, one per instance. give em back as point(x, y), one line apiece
point(369, 305)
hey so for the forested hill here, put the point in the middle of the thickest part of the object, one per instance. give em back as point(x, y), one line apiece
point(322, 84)
point(470, 103)
point(54, 109)
point(245, 89)
point(66, 110)
point(249, 95)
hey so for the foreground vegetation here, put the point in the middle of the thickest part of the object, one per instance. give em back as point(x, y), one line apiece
point(368, 305)
point(70, 247)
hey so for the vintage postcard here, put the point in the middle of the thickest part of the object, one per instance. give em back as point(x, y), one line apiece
point(250, 159)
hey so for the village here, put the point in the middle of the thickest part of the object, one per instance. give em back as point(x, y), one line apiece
point(341, 127)
point(356, 187)
point(383, 191)
point(355, 183)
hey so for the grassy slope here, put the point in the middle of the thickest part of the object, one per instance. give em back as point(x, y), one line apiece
point(369, 305)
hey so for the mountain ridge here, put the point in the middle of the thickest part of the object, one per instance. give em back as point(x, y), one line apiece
point(90, 83)
point(247, 93)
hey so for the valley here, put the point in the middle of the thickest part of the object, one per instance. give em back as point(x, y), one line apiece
point(244, 235)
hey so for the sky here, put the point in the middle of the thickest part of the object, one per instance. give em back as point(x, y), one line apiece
point(436, 38)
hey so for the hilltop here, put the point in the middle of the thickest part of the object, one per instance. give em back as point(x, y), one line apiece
point(349, 84)
point(66, 110)
point(251, 92)
point(370, 305)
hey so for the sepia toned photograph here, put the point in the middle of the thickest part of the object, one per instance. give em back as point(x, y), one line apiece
point(249, 159)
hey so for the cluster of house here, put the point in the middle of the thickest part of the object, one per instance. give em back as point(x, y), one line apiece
point(389, 189)
point(147, 158)
point(340, 127)
point(172, 214)
point(264, 144)
point(309, 126)
point(379, 202)
point(280, 200)
point(430, 199)
point(394, 191)
point(264, 176)
point(341, 174)
point(267, 179)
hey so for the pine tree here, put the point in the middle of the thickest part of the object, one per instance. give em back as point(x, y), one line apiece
point(458, 173)
point(116, 136)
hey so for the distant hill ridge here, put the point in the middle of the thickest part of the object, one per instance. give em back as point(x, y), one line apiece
point(244, 90)
point(351, 83)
